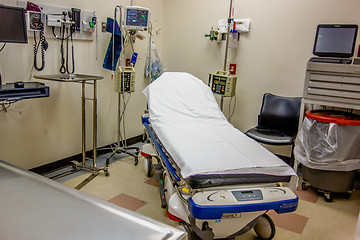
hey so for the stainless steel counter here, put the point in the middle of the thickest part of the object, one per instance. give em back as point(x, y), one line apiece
point(34, 207)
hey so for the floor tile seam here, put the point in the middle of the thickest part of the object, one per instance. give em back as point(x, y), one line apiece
point(294, 231)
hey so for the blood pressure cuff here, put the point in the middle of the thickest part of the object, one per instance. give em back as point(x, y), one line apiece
point(114, 48)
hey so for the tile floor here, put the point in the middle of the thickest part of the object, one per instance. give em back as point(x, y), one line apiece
point(128, 187)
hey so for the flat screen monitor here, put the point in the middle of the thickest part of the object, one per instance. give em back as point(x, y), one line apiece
point(335, 40)
point(137, 18)
point(12, 25)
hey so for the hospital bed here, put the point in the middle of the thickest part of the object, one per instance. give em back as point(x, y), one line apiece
point(213, 179)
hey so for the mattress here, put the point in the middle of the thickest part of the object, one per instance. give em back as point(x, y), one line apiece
point(189, 123)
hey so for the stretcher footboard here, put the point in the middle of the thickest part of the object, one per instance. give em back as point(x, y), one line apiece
point(228, 203)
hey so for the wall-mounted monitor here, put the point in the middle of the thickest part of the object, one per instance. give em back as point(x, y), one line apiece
point(335, 40)
point(12, 25)
point(137, 18)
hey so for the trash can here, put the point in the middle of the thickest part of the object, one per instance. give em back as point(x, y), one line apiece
point(328, 147)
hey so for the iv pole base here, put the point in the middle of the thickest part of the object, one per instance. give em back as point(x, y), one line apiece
point(120, 150)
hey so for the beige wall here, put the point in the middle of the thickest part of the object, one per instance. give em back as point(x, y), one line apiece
point(38, 131)
point(270, 58)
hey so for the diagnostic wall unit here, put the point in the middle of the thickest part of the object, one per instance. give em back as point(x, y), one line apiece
point(51, 17)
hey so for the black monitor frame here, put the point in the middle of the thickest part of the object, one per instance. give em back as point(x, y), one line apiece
point(319, 53)
point(22, 36)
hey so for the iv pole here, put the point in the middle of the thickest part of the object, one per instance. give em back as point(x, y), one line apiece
point(226, 50)
point(121, 148)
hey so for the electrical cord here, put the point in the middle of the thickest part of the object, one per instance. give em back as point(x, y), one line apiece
point(64, 68)
point(72, 54)
point(233, 110)
point(62, 61)
point(148, 60)
point(67, 53)
point(60, 38)
point(122, 119)
point(44, 46)
point(6, 107)
point(127, 40)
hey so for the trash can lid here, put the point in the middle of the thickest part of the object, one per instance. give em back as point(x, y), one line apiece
point(332, 116)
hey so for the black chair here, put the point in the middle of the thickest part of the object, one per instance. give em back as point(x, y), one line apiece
point(278, 122)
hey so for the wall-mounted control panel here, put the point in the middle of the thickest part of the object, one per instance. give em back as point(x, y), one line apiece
point(35, 21)
point(52, 17)
point(125, 80)
point(222, 83)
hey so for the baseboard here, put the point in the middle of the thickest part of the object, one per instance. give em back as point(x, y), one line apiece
point(50, 167)
point(284, 158)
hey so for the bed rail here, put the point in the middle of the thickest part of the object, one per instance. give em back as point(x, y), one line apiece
point(171, 169)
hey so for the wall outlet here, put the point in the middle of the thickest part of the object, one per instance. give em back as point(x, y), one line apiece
point(232, 68)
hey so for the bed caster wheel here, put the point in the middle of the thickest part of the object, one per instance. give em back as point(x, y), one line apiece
point(347, 195)
point(265, 228)
point(75, 166)
point(328, 197)
point(107, 174)
point(136, 160)
point(148, 166)
point(107, 162)
point(190, 233)
point(303, 186)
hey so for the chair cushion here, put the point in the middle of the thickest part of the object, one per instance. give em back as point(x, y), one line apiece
point(270, 136)
point(280, 113)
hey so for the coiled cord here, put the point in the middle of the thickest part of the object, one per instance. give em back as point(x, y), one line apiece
point(44, 47)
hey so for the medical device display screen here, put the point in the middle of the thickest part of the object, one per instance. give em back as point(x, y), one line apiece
point(137, 17)
point(335, 40)
point(13, 26)
point(248, 195)
point(219, 84)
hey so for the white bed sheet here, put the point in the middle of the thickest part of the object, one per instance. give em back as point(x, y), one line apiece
point(189, 123)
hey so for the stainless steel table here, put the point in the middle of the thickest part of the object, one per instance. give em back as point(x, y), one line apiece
point(33, 207)
point(91, 80)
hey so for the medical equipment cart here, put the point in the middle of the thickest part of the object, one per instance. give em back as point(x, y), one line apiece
point(330, 83)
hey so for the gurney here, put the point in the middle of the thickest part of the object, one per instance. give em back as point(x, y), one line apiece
point(213, 179)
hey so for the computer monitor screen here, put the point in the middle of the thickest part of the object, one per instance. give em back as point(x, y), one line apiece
point(137, 18)
point(13, 25)
point(335, 40)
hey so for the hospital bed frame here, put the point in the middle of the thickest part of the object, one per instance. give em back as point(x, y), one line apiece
point(187, 200)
